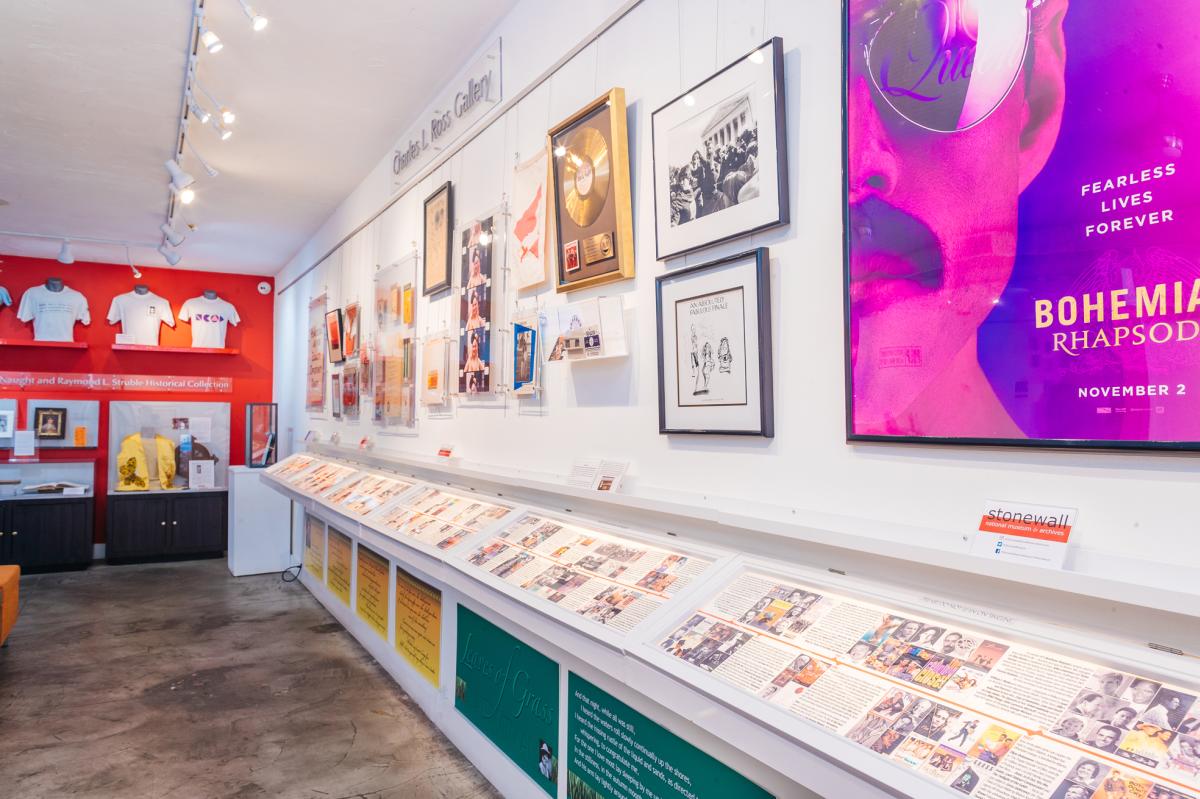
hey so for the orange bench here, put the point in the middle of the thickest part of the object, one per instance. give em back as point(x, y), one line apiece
point(10, 580)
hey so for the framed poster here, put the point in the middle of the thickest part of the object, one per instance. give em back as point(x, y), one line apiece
point(527, 245)
point(720, 156)
point(396, 391)
point(439, 239)
point(475, 310)
point(350, 392)
point(337, 395)
point(589, 171)
point(525, 356)
point(333, 335)
point(434, 360)
point(314, 395)
point(714, 348)
point(350, 331)
point(1018, 268)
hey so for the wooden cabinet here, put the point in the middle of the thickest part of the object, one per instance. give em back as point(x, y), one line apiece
point(166, 525)
point(48, 534)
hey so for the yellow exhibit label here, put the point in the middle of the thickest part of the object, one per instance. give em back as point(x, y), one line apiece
point(419, 625)
point(337, 574)
point(314, 547)
point(372, 590)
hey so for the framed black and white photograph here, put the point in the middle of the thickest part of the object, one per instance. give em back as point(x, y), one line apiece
point(720, 156)
point(714, 347)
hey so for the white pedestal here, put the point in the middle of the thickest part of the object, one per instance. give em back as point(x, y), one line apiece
point(259, 525)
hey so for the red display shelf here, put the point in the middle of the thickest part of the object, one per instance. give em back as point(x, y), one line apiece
point(63, 345)
point(199, 350)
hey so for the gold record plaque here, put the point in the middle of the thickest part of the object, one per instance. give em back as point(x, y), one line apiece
point(589, 170)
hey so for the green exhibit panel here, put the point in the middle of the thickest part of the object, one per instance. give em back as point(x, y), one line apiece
point(614, 752)
point(509, 691)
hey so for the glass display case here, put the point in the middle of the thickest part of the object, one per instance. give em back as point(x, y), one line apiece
point(168, 446)
point(262, 423)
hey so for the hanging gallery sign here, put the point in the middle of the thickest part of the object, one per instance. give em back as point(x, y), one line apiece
point(475, 92)
point(1020, 266)
point(57, 381)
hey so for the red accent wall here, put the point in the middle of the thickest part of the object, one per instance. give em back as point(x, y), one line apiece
point(251, 368)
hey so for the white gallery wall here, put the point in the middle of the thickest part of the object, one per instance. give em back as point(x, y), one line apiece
point(1134, 509)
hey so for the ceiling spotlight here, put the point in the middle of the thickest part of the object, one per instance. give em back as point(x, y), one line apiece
point(185, 195)
point(227, 115)
point(223, 131)
point(198, 111)
point(169, 255)
point(174, 236)
point(211, 41)
point(180, 180)
point(257, 21)
point(64, 253)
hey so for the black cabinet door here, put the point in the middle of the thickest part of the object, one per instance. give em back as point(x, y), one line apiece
point(51, 533)
point(6, 557)
point(137, 526)
point(197, 523)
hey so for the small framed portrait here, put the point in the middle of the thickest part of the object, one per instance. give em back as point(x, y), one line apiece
point(714, 348)
point(439, 232)
point(350, 331)
point(333, 335)
point(720, 156)
point(8, 423)
point(50, 423)
point(591, 215)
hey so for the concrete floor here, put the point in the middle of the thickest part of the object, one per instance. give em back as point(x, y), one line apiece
point(177, 681)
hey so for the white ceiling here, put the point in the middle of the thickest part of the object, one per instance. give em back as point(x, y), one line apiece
point(89, 104)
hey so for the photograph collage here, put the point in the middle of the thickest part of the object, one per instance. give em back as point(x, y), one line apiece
point(475, 327)
point(438, 518)
point(949, 702)
point(367, 494)
point(605, 579)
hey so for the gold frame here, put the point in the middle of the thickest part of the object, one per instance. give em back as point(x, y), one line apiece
point(619, 136)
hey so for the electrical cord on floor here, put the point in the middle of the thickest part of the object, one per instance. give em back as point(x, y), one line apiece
point(287, 576)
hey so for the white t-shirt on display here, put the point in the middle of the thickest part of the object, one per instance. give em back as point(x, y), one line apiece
point(53, 313)
point(210, 320)
point(141, 315)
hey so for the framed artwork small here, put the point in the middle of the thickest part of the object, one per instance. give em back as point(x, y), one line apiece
point(439, 239)
point(50, 423)
point(333, 335)
point(714, 347)
point(350, 339)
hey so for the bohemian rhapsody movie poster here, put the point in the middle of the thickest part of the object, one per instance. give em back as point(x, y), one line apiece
point(1022, 239)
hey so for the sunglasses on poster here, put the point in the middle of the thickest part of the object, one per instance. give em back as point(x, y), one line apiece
point(945, 65)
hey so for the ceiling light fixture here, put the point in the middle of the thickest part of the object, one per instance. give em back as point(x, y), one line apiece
point(65, 255)
point(257, 21)
point(211, 41)
point(169, 255)
point(212, 173)
point(186, 196)
point(174, 236)
point(227, 115)
point(221, 130)
point(137, 275)
point(180, 180)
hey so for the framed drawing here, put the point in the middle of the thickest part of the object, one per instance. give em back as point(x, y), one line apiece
point(333, 335)
point(1018, 270)
point(8, 423)
point(439, 239)
point(720, 156)
point(714, 347)
point(350, 331)
point(50, 423)
point(475, 315)
point(527, 245)
point(591, 220)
